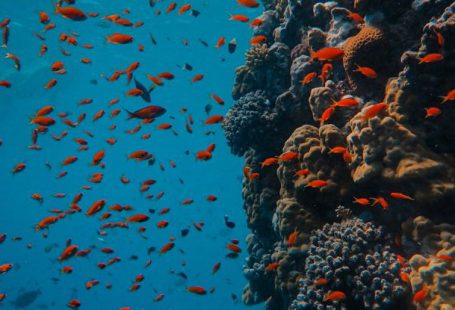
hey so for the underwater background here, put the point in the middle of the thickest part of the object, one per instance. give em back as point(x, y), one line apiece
point(36, 276)
point(282, 154)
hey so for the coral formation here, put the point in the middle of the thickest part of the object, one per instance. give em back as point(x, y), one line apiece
point(434, 267)
point(367, 130)
point(353, 257)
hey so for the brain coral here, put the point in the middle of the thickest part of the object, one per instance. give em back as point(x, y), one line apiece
point(386, 152)
point(355, 258)
point(369, 48)
point(313, 146)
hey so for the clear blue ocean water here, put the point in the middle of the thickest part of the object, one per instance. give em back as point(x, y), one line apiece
point(34, 258)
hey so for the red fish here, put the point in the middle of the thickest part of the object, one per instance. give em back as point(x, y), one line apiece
point(326, 115)
point(327, 54)
point(248, 3)
point(308, 78)
point(420, 295)
point(96, 207)
point(449, 97)
point(138, 218)
point(258, 40)
point(199, 290)
point(214, 119)
point(374, 110)
point(366, 71)
point(401, 196)
point(69, 252)
point(119, 38)
point(317, 184)
point(432, 57)
point(167, 247)
point(432, 112)
point(70, 13)
point(335, 296)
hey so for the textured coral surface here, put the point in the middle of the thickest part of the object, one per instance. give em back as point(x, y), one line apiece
point(349, 103)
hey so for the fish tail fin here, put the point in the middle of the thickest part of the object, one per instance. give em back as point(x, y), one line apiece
point(130, 114)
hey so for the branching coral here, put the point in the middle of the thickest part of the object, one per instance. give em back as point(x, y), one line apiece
point(353, 257)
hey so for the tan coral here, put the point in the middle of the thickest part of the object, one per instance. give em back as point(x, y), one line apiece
point(428, 269)
point(313, 146)
point(387, 152)
point(369, 48)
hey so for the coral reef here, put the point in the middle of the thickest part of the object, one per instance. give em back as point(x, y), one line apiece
point(366, 129)
point(355, 258)
point(434, 267)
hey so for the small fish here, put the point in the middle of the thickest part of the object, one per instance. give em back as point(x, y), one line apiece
point(430, 58)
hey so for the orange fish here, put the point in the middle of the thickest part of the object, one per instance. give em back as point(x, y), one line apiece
point(449, 97)
point(404, 277)
point(196, 290)
point(119, 38)
point(256, 22)
point(269, 162)
point(69, 252)
point(380, 200)
point(317, 184)
point(43, 17)
point(272, 266)
point(374, 110)
point(439, 37)
point(239, 18)
point(420, 295)
point(17, 63)
point(446, 258)
point(432, 57)
point(234, 248)
point(45, 110)
point(135, 92)
point(326, 115)
point(69, 160)
point(197, 78)
point(164, 126)
point(366, 71)
point(338, 150)
point(51, 84)
point(362, 201)
point(43, 121)
point(70, 13)
point(258, 40)
point(335, 296)
point(162, 224)
point(293, 237)
point(137, 218)
point(248, 3)
point(98, 157)
point(203, 155)
point(345, 103)
point(5, 268)
point(171, 7)
point(320, 282)
point(217, 99)
point(214, 119)
point(327, 54)
point(432, 112)
point(308, 78)
point(401, 196)
point(288, 156)
point(96, 207)
point(167, 247)
point(184, 8)
point(302, 172)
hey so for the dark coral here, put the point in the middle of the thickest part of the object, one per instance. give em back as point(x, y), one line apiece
point(398, 150)
point(250, 123)
point(355, 257)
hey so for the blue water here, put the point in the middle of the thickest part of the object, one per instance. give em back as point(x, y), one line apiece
point(34, 267)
